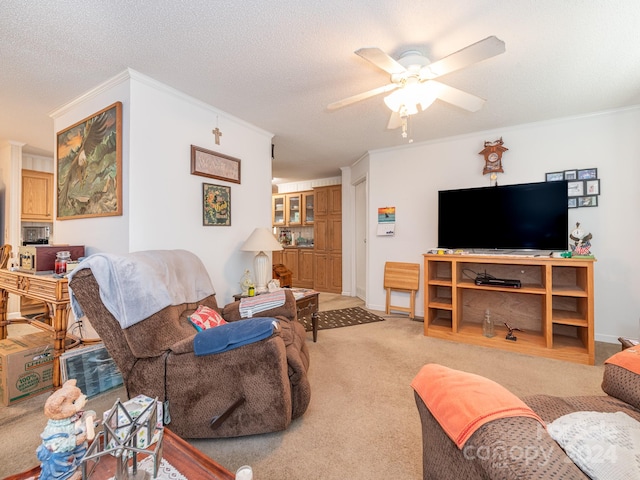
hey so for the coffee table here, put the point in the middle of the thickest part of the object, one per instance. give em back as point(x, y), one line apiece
point(189, 461)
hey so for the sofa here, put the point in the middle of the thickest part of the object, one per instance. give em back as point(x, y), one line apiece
point(518, 443)
point(258, 387)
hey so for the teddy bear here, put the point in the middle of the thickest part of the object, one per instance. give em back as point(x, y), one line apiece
point(64, 439)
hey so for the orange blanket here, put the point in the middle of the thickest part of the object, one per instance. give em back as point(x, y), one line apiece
point(628, 359)
point(462, 402)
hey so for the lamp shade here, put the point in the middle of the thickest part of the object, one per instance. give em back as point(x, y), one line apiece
point(261, 240)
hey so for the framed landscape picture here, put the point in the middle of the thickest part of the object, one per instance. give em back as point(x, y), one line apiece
point(216, 205)
point(89, 166)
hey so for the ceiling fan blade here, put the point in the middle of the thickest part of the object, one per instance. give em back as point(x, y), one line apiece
point(395, 121)
point(487, 48)
point(361, 96)
point(458, 97)
point(380, 60)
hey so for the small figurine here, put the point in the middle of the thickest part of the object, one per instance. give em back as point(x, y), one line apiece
point(582, 241)
point(510, 335)
point(64, 439)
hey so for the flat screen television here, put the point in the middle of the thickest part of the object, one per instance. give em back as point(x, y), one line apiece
point(531, 216)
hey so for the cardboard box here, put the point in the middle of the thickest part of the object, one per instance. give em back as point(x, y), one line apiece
point(134, 408)
point(26, 366)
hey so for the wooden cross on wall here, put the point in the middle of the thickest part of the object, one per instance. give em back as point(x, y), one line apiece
point(218, 134)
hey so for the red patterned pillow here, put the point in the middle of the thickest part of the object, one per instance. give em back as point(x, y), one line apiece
point(205, 317)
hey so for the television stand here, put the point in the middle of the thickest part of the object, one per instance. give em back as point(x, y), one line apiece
point(554, 307)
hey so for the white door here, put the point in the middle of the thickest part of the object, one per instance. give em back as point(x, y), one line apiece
point(361, 239)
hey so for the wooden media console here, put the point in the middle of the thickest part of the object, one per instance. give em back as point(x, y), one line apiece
point(553, 307)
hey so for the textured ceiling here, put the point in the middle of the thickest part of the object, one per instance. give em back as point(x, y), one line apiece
point(277, 64)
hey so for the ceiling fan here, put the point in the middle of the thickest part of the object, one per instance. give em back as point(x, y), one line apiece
point(413, 84)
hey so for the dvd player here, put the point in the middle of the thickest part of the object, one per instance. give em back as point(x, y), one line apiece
point(498, 282)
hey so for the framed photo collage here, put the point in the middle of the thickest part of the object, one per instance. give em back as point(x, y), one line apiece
point(583, 186)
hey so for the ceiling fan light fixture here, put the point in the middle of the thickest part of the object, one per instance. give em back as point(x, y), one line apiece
point(427, 94)
point(410, 96)
point(395, 100)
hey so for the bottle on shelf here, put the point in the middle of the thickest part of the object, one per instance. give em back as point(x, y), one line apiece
point(487, 325)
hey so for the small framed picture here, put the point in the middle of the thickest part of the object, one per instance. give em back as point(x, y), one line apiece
point(555, 176)
point(592, 187)
point(588, 174)
point(216, 205)
point(573, 202)
point(570, 174)
point(207, 163)
point(576, 189)
point(588, 201)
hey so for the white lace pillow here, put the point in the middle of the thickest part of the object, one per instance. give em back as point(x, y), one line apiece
point(602, 445)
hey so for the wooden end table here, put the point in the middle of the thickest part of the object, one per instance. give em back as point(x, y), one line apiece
point(189, 461)
point(54, 292)
point(307, 304)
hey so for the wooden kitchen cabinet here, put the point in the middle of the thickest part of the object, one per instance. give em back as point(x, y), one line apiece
point(305, 265)
point(328, 200)
point(308, 211)
point(300, 262)
point(290, 260)
point(37, 196)
point(327, 233)
point(292, 209)
point(278, 209)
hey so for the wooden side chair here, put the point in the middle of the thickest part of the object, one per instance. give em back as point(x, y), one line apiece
point(404, 277)
point(5, 255)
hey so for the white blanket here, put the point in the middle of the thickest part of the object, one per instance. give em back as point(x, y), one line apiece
point(137, 285)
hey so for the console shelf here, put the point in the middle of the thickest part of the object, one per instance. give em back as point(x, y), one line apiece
point(554, 306)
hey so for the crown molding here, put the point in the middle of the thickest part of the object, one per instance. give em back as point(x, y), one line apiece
point(122, 77)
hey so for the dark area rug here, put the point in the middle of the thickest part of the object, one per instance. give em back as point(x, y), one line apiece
point(345, 317)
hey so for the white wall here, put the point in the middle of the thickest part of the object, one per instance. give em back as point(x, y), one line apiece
point(410, 176)
point(162, 201)
point(101, 234)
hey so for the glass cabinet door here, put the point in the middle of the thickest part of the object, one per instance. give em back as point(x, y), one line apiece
point(308, 208)
point(294, 209)
point(278, 202)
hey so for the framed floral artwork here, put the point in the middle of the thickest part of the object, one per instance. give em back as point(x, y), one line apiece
point(216, 205)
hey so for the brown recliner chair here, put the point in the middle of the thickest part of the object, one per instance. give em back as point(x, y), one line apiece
point(257, 388)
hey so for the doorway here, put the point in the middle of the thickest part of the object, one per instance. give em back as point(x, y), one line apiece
point(361, 239)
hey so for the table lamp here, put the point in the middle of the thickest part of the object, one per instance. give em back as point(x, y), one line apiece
point(261, 240)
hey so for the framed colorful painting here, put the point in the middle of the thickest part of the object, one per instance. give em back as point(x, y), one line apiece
point(216, 205)
point(89, 166)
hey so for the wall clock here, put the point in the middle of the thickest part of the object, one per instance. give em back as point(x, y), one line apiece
point(493, 156)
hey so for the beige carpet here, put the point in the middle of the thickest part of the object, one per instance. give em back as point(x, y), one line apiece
point(362, 422)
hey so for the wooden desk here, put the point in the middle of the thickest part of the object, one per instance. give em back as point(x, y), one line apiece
point(189, 461)
point(46, 288)
point(307, 304)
